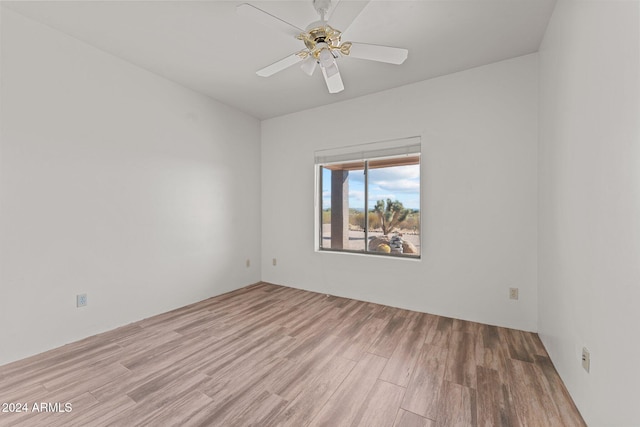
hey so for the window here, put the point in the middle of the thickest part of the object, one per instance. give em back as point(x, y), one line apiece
point(369, 199)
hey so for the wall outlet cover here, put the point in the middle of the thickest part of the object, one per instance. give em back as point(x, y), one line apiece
point(586, 359)
point(81, 300)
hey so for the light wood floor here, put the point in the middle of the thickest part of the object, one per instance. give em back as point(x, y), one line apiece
point(269, 355)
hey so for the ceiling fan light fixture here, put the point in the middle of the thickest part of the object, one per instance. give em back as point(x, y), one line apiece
point(326, 58)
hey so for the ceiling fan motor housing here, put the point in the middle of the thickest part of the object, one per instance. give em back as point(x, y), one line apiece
point(320, 36)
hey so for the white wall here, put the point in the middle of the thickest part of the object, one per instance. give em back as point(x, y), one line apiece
point(479, 192)
point(117, 183)
point(589, 274)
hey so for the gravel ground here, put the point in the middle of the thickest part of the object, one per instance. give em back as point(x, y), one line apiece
point(356, 238)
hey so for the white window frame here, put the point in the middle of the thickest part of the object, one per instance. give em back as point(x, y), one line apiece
point(391, 149)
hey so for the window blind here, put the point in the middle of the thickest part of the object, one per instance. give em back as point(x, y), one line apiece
point(374, 150)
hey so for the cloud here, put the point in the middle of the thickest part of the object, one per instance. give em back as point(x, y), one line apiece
point(398, 179)
point(356, 196)
point(381, 196)
point(395, 183)
point(395, 173)
point(400, 186)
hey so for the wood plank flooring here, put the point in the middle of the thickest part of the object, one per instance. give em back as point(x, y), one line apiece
point(268, 355)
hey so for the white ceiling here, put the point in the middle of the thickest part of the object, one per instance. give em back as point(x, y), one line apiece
point(206, 46)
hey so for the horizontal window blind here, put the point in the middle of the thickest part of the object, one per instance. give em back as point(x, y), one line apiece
point(374, 150)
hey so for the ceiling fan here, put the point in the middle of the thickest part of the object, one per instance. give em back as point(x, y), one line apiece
point(323, 43)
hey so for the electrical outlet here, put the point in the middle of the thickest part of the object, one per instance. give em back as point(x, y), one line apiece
point(81, 300)
point(586, 359)
point(513, 293)
point(248, 263)
point(275, 262)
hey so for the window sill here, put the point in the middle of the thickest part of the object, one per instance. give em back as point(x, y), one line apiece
point(370, 254)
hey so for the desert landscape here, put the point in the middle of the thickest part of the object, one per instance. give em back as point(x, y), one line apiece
point(356, 237)
point(393, 229)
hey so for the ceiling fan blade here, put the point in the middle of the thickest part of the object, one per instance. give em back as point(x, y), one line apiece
point(345, 12)
point(287, 62)
point(374, 52)
point(333, 79)
point(309, 65)
point(258, 15)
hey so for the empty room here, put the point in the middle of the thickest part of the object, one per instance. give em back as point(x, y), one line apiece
point(320, 213)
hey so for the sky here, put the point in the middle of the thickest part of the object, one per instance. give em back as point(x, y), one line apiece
point(396, 183)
